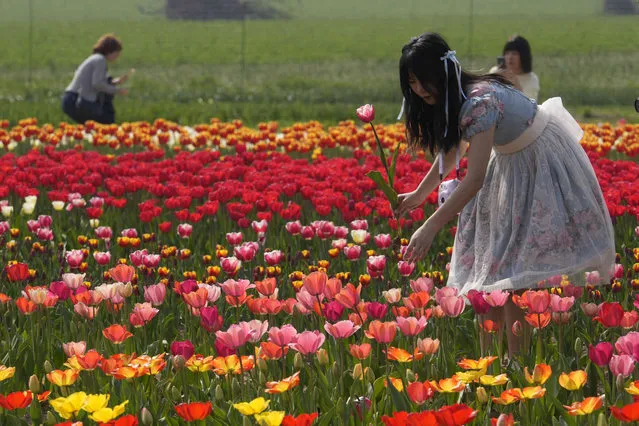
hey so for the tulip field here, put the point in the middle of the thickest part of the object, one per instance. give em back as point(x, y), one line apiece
point(158, 274)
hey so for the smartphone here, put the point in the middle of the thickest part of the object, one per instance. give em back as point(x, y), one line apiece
point(501, 62)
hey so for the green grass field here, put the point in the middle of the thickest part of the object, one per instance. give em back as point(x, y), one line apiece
point(329, 58)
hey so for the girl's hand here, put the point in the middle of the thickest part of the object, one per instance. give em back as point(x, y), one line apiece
point(407, 202)
point(419, 243)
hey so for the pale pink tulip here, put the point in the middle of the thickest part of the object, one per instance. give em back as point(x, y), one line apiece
point(496, 298)
point(428, 346)
point(590, 309)
point(184, 230)
point(339, 244)
point(411, 326)
point(142, 313)
point(628, 345)
point(88, 312)
point(282, 336)
point(622, 365)
point(137, 257)
point(213, 292)
point(341, 329)
point(155, 294)
point(74, 348)
point(444, 292)
point(236, 288)
point(308, 342)
point(236, 336)
point(256, 329)
point(561, 304)
point(452, 306)
point(73, 281)
point(422, 284)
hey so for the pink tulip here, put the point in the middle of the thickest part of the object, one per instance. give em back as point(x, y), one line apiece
point(60, 289)
point(383, 241)
point(102, 258)
point(342, 329)
point(629, 319)
point(256, 329)
point(339, 244)
point(236, 336)
point(366, 113)
point(88, 312)
point(618, 271)
point(561, 304)
point(230, 265)
point(478, 302)
point(333, 287)
point(444, 292)
point(422, 284)
point(151, 261)
point(33, 225)
point(333, 311)
point(137, 257)
point(4, 227)
point(573, 291)
point(307, 232)
point(210, 319)
point(294, 228)
point(155, 294)
point(282, 336)
point(72, 349)
point(590, 309)
point(375, 266)
point(129, 233)
point(376, 310)
point(222, 350)
point(184, 230)
point(236, 288)
point(73, 281)
point(452, 306)
point(75, 258)
point(104, 232)
point(96, 201)
point(428, 346)
point(259, 227)
point(359, 224)
point(601, 353)
point(628, 345)
point(340, 232)
point(496, 298)
point(234, 238)
point(411, 326)
point(44, 234)
point(273, 257)
point(213, 292)
point(182, 348)
point(245, 252)
point(308, 342)
point(593, 278)
point(352, 252)
point(622, 365)
point(122, 273)
point(142, 313)
point(326, 229)
point(405, 268)
point(45, 221)
point(637, 231)
point(561, 318)
point(308, 300)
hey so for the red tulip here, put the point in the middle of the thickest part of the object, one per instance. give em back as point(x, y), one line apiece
point(419, 392)
point(610, 314)
point(627, 413)
point(194, 410)
point(455, 415)
point(116, 333)
point(17, 272)
point(301, 420)
point(16, 400)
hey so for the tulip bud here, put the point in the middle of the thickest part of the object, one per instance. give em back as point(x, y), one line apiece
point(410, 376)
point(262, 365)
point(34, 384)
point(358, 373)
point(175, 393)
point(145, 417)
point(178, 362)
point(336, 370)
point(601, 420)
point(298, 361)
point(322, 357)
point(370, 375)
point(51, 420)
point(219, 393)
point(47, 366)
point(621, 383)
point(235, 386)
point(482, 395)
point(517, 328)
point(94, 223)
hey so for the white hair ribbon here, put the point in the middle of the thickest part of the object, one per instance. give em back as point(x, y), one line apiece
point(451, 55)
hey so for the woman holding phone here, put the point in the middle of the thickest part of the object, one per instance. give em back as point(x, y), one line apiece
point(516, 65)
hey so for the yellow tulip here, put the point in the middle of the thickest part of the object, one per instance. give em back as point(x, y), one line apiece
point(470, 375)
point(63, 377)
point(6, 372)
point(573, 380)
point(70, 406)
point(106, 414)
point(96, 402)
point(270, 418)
point(633, 389)
point(251, 408)
point(489, 380)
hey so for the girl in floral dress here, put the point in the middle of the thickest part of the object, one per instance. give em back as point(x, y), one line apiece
point(530, 207)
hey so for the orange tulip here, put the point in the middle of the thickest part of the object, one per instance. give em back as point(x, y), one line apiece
point(16, 400)
point(199, 363)
point(509, 396)
point(541, 374)
point(271, 351)
point(417, 300)
point(231, 364)
point(586, 406)
point(401, 355)
point(480, 364)
point(349, 296)
point(538, 320)
point(266, 287)
point(4, 298)
point(490, 326)
point(284, 384)
point(360, 352)
point(382, 332)
point(194, 410)
point(25, 305)
point(450, 385)
point(63, 377)
point(534, 392)
point(419, 392)
point(90, 360)
point(116, 333)
point(397, 383)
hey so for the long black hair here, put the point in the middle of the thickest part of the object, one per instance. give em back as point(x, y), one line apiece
point(426, 124)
